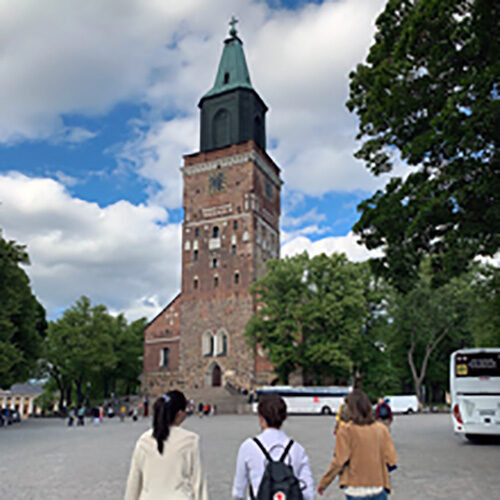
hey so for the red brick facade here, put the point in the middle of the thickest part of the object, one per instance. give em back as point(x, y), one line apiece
point(231, 204)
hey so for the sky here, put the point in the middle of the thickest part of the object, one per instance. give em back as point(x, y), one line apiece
point(98, 104)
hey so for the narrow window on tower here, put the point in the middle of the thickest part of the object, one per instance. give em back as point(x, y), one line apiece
point(236, 278)
point(226, 78)
point(233, 249)
point(215, 232)
point(235, 225)
point(197, 232)
point(214, 263)
point(165, 357)
point(195, 283)
point(216, 281)
point(195, 255)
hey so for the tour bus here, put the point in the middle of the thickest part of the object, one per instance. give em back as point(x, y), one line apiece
point(475, 392)
point(313, 400)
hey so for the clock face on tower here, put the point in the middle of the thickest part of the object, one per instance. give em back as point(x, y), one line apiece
point(217, 182)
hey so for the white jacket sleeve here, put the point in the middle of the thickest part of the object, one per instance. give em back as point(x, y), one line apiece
point(198, 482)
point(134, 481)
point(304, 475)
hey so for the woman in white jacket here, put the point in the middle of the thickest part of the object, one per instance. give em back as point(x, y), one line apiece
point(166, 461)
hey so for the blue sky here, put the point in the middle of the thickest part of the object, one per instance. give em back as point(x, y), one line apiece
point(98, 111)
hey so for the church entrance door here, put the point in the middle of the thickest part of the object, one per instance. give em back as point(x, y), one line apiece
point(216, 376)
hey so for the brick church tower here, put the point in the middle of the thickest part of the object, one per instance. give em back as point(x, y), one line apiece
point(231, 202)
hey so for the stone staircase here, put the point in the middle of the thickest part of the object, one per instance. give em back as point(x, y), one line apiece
point(225, 401)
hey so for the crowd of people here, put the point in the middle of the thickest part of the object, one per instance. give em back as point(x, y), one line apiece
point(166, 461)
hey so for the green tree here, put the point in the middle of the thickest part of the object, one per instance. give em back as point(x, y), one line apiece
point(321, 315)
point(484, 318)
point(428, 94)
point(22, 317)
point(79, 345)
point(427, 325)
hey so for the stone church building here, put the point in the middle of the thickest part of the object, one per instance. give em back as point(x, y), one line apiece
point(231, 201)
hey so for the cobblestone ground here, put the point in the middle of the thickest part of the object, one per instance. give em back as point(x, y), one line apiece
point(44, 459)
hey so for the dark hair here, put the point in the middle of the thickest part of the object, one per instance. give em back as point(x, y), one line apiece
point(165, 410)
point(273, 409)
point(360, 408)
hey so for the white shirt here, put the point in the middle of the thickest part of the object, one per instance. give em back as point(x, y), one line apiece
point(251, 463)
point(174, 475)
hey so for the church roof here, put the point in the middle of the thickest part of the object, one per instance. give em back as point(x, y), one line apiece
point(233, 70)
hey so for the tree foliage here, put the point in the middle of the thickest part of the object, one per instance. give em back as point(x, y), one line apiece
point(89, 350)
point(426, 322)
point(320, 316)
point(428, 94)
point(22, 317)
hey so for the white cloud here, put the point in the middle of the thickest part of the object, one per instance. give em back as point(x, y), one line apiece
point(64, 57)
point(338, 244)
point(67, 56)
point(125, 256)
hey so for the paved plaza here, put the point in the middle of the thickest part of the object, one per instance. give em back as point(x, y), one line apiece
point(44, 459)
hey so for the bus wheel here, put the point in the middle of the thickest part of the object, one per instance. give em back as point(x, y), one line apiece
point(326, 410)
point(409, 411)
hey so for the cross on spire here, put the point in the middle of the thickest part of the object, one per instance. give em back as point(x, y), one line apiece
point(233, 23)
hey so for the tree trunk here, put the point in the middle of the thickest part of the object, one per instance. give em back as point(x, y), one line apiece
point(68, 395)
point(79, 394)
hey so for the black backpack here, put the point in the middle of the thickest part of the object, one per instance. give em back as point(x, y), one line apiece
point(383, 411)
point(278, 481)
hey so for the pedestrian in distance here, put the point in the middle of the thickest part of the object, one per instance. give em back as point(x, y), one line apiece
point(364, 454)
point(81, 416)
point(166, 460)
point(71, 417)
point(342, 416)
point(206, 410)
point(383, 412)
point(201, 407)
point(271, 465)
point(95, 415)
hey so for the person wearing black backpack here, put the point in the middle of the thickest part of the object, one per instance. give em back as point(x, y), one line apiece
point(272, 466)
point(383, 412)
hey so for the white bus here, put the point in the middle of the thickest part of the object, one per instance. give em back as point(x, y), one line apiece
point(475, 392)
point(312, 400)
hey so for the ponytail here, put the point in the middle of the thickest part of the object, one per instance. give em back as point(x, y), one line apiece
point(165, 410)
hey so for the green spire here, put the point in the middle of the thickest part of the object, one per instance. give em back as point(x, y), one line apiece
point(233, 70)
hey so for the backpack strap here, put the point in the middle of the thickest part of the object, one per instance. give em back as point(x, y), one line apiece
point(287, 449)
point(261, 446)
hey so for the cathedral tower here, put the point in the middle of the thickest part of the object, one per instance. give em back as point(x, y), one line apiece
point(231, 206)
point(231, 201)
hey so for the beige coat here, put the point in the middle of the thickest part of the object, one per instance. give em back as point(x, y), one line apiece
point(361, 456)
point(174, 475)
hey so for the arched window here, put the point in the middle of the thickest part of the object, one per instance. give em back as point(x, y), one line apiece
point(221, 342)
point(207, 344)
point(221, 128)
point(215, 232)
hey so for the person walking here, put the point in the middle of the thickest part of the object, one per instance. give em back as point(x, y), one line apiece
point(364, 454)
point(71, 417)
point(166, 460)
point(271, 445)
point(342, 416)
point(383, 412)
point(81, 416)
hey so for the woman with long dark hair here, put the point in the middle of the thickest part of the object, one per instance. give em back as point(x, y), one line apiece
point(166, 461)
point(364, 454)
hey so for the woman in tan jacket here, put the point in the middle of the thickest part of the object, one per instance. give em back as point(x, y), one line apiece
point(364, 454)
point(166, 461)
